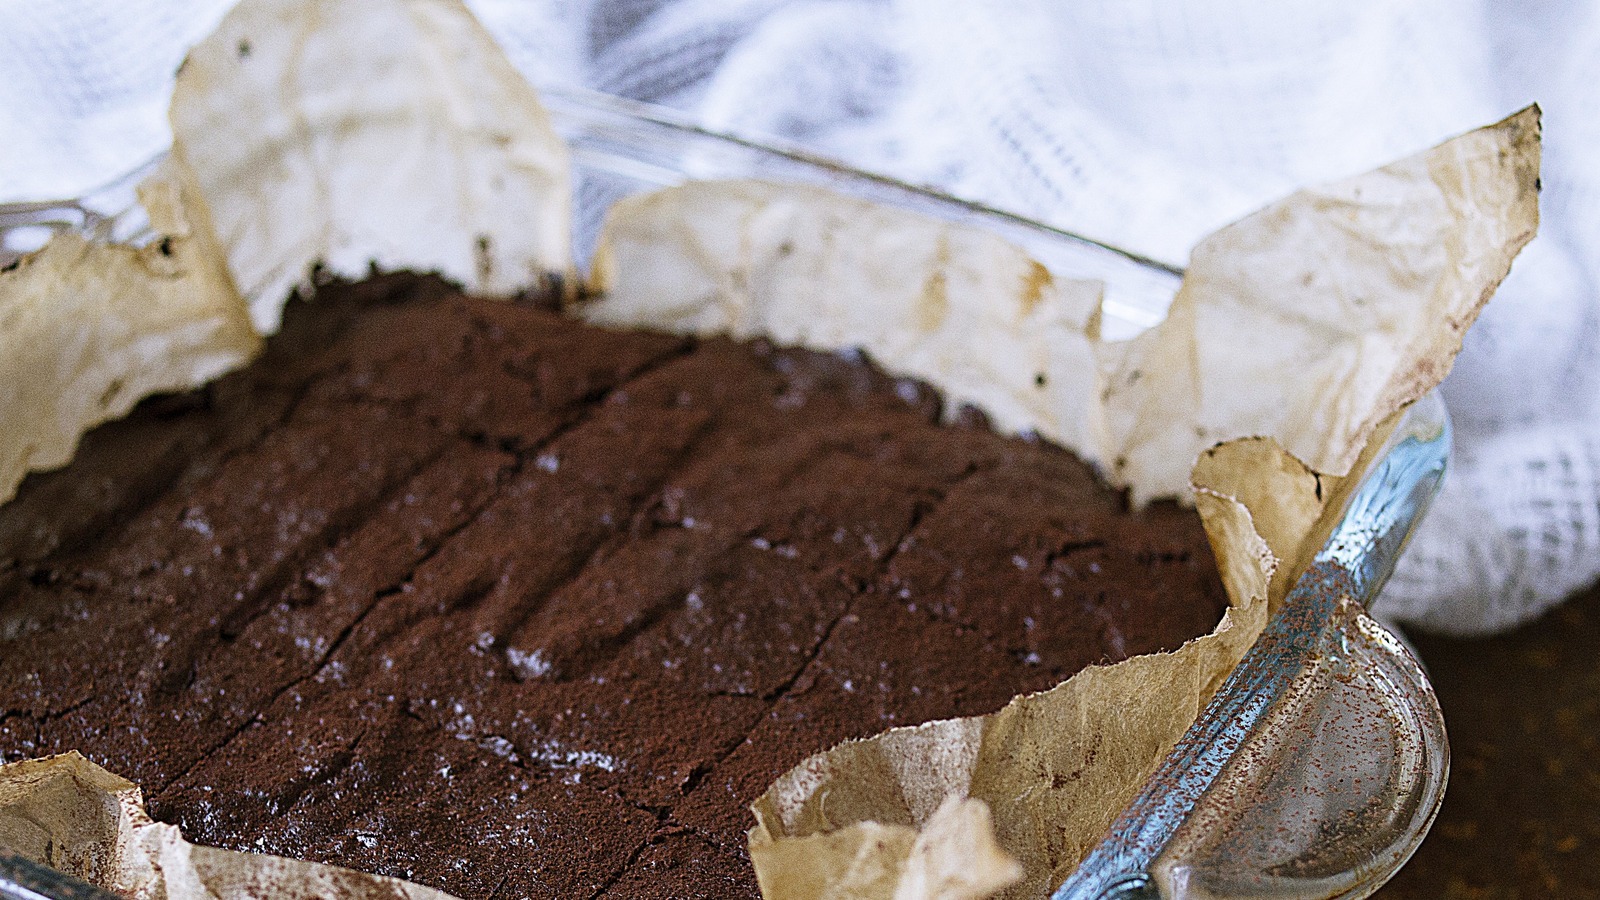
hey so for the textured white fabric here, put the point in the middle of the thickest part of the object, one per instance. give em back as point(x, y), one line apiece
point(1139, 122)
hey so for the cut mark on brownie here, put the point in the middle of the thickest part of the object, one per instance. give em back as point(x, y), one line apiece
point(285, 799)
point(919, 513)
point(53, 715)
point(585, 653)
point(581, 408)
point(338, 527)
point(179, 459)
point(627, 866)
point(40, 720)
point(1069, 548)
point(214, 466)
point(579, 661)
point(320, 666)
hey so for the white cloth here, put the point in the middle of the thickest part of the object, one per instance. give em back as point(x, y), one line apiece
point(1142, 123)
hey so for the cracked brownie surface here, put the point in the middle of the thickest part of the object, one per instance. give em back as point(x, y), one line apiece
point(475, 595)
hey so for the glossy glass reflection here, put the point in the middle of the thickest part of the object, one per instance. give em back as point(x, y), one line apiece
point(1317, 768)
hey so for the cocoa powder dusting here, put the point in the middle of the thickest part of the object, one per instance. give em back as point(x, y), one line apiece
point(471, 594)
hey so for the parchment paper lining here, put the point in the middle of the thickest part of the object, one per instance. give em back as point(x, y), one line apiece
point(350, 134)
point(88, 329)
point(78, 818)
point(1308, 323)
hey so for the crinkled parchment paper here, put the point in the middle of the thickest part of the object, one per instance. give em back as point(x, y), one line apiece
point(78, 818)
point(389, 133)
point(87, 329)
point(343, 134)
point(1309, 321)
point(1307, 324)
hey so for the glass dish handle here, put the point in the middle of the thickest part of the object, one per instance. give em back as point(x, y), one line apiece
point(1341, 780)
point(1318, 766)
point(22, 878)
point(1334, 793)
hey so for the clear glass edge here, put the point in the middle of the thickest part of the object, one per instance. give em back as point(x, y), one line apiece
point(608, 132)
point(1390, 497)
point(24, 879)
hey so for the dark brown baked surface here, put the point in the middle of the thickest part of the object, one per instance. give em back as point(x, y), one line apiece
point(475, 595)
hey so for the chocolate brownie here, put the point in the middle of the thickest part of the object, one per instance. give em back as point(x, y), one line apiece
point(473, 594)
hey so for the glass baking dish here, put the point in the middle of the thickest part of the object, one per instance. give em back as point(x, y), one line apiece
point(1319, 766)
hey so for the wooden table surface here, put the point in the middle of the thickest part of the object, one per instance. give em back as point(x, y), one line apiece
point(1521, 815)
